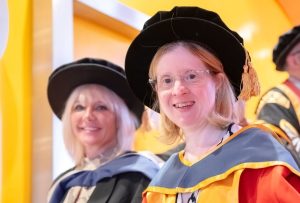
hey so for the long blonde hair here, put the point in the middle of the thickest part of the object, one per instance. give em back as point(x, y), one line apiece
point(224, 111)
point(126, 122)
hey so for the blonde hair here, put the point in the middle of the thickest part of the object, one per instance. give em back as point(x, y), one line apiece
point(224, 111)
point(126, 122)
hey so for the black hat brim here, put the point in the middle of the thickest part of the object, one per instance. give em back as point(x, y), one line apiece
point(283, 54)
point(63, 82)
point(142, 50)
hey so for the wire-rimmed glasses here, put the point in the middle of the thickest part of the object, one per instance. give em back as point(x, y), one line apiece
point(166, 82)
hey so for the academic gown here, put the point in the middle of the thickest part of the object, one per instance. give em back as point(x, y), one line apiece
point(250, 166)
point(120, 180)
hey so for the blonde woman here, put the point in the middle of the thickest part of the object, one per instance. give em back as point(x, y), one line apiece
point(99, 114)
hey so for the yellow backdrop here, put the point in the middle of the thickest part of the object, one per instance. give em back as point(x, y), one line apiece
point(16, 105)
point(259, 22)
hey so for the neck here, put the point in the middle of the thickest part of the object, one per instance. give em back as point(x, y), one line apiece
point(294, 74)
point(200, 141)
point(295, 81)
point(95, 152)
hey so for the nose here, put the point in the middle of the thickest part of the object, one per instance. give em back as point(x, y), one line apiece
point(89, 114)
point(179, 88)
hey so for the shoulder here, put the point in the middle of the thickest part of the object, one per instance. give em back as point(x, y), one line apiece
point(166, 155)
point(145, 156)
point(151, 156)
point(260, 143)
point(271, 184)
point(139, 162)
point(63, 175)
point(256, 131)
point(275, 95)
point(260, 137)
point(58, 179)
point(276, 91)
point(169, 165)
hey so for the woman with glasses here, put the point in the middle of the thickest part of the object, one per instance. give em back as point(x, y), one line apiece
point(189, 66)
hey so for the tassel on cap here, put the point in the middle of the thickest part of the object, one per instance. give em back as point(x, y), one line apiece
point(249, 81)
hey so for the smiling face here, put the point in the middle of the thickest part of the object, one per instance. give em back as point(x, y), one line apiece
point(187, 101)
point(92, 120)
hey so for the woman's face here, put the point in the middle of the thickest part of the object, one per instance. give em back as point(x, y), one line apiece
point(93, 122)
point(186, 89)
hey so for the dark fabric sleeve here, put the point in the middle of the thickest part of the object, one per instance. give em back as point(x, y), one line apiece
point(125, 188)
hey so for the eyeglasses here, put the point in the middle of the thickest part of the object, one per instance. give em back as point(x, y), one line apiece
point(189, 77)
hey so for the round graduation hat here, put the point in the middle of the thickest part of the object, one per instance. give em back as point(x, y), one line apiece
point(285, 44)
point(187, 24)
point(67, 77)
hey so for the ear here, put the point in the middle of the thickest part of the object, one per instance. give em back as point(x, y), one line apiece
point(292, 61)
point(218, 78)
point(297, 60)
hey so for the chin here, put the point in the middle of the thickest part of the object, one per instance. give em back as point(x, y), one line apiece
point(184, 123)
point(91, 141)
